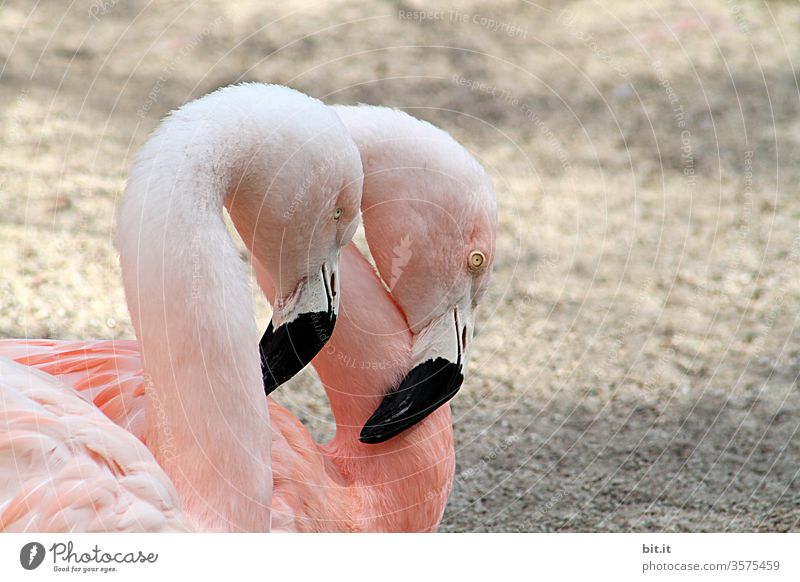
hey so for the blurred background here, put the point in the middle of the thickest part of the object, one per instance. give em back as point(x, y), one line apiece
point(636, 361)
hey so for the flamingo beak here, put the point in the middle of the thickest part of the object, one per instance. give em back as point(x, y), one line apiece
point(301, 325)
point(441, 353)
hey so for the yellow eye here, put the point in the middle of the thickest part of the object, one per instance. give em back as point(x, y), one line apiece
point(337, 214)
point(476, 260)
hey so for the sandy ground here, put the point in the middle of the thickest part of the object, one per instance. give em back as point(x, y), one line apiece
point(636, 362)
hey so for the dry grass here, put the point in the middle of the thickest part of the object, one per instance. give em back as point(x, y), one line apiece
point(636, 362)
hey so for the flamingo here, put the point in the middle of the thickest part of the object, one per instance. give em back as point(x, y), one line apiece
point(400, 349)
point(290, 176)
point(398, 352)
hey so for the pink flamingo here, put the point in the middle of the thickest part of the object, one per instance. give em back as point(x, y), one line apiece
point(401, 346)
point(397, 354)
point(290, 175)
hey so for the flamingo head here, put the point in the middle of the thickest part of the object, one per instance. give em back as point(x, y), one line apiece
point(295, 216)
point(430, 217)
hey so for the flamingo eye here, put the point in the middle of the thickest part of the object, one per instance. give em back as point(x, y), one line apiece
point(337, 214)
point(476, 260)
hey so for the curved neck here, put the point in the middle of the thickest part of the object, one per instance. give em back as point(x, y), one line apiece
point(403, 484)
point(190, 303)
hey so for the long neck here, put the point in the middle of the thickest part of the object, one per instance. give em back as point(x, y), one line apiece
point(187, 290)
point(403, 484)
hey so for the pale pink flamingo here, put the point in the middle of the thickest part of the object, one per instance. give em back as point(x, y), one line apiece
point(290, 175)
point(395, 356)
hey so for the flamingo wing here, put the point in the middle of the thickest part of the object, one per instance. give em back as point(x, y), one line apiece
point(64, 466)
point(108, 373)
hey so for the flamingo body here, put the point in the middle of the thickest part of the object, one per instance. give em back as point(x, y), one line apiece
point(64, 466)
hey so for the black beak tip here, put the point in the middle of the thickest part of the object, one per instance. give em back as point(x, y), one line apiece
point(371, 436)
point(287, 350)
point(270, 384)
point(426, 387)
